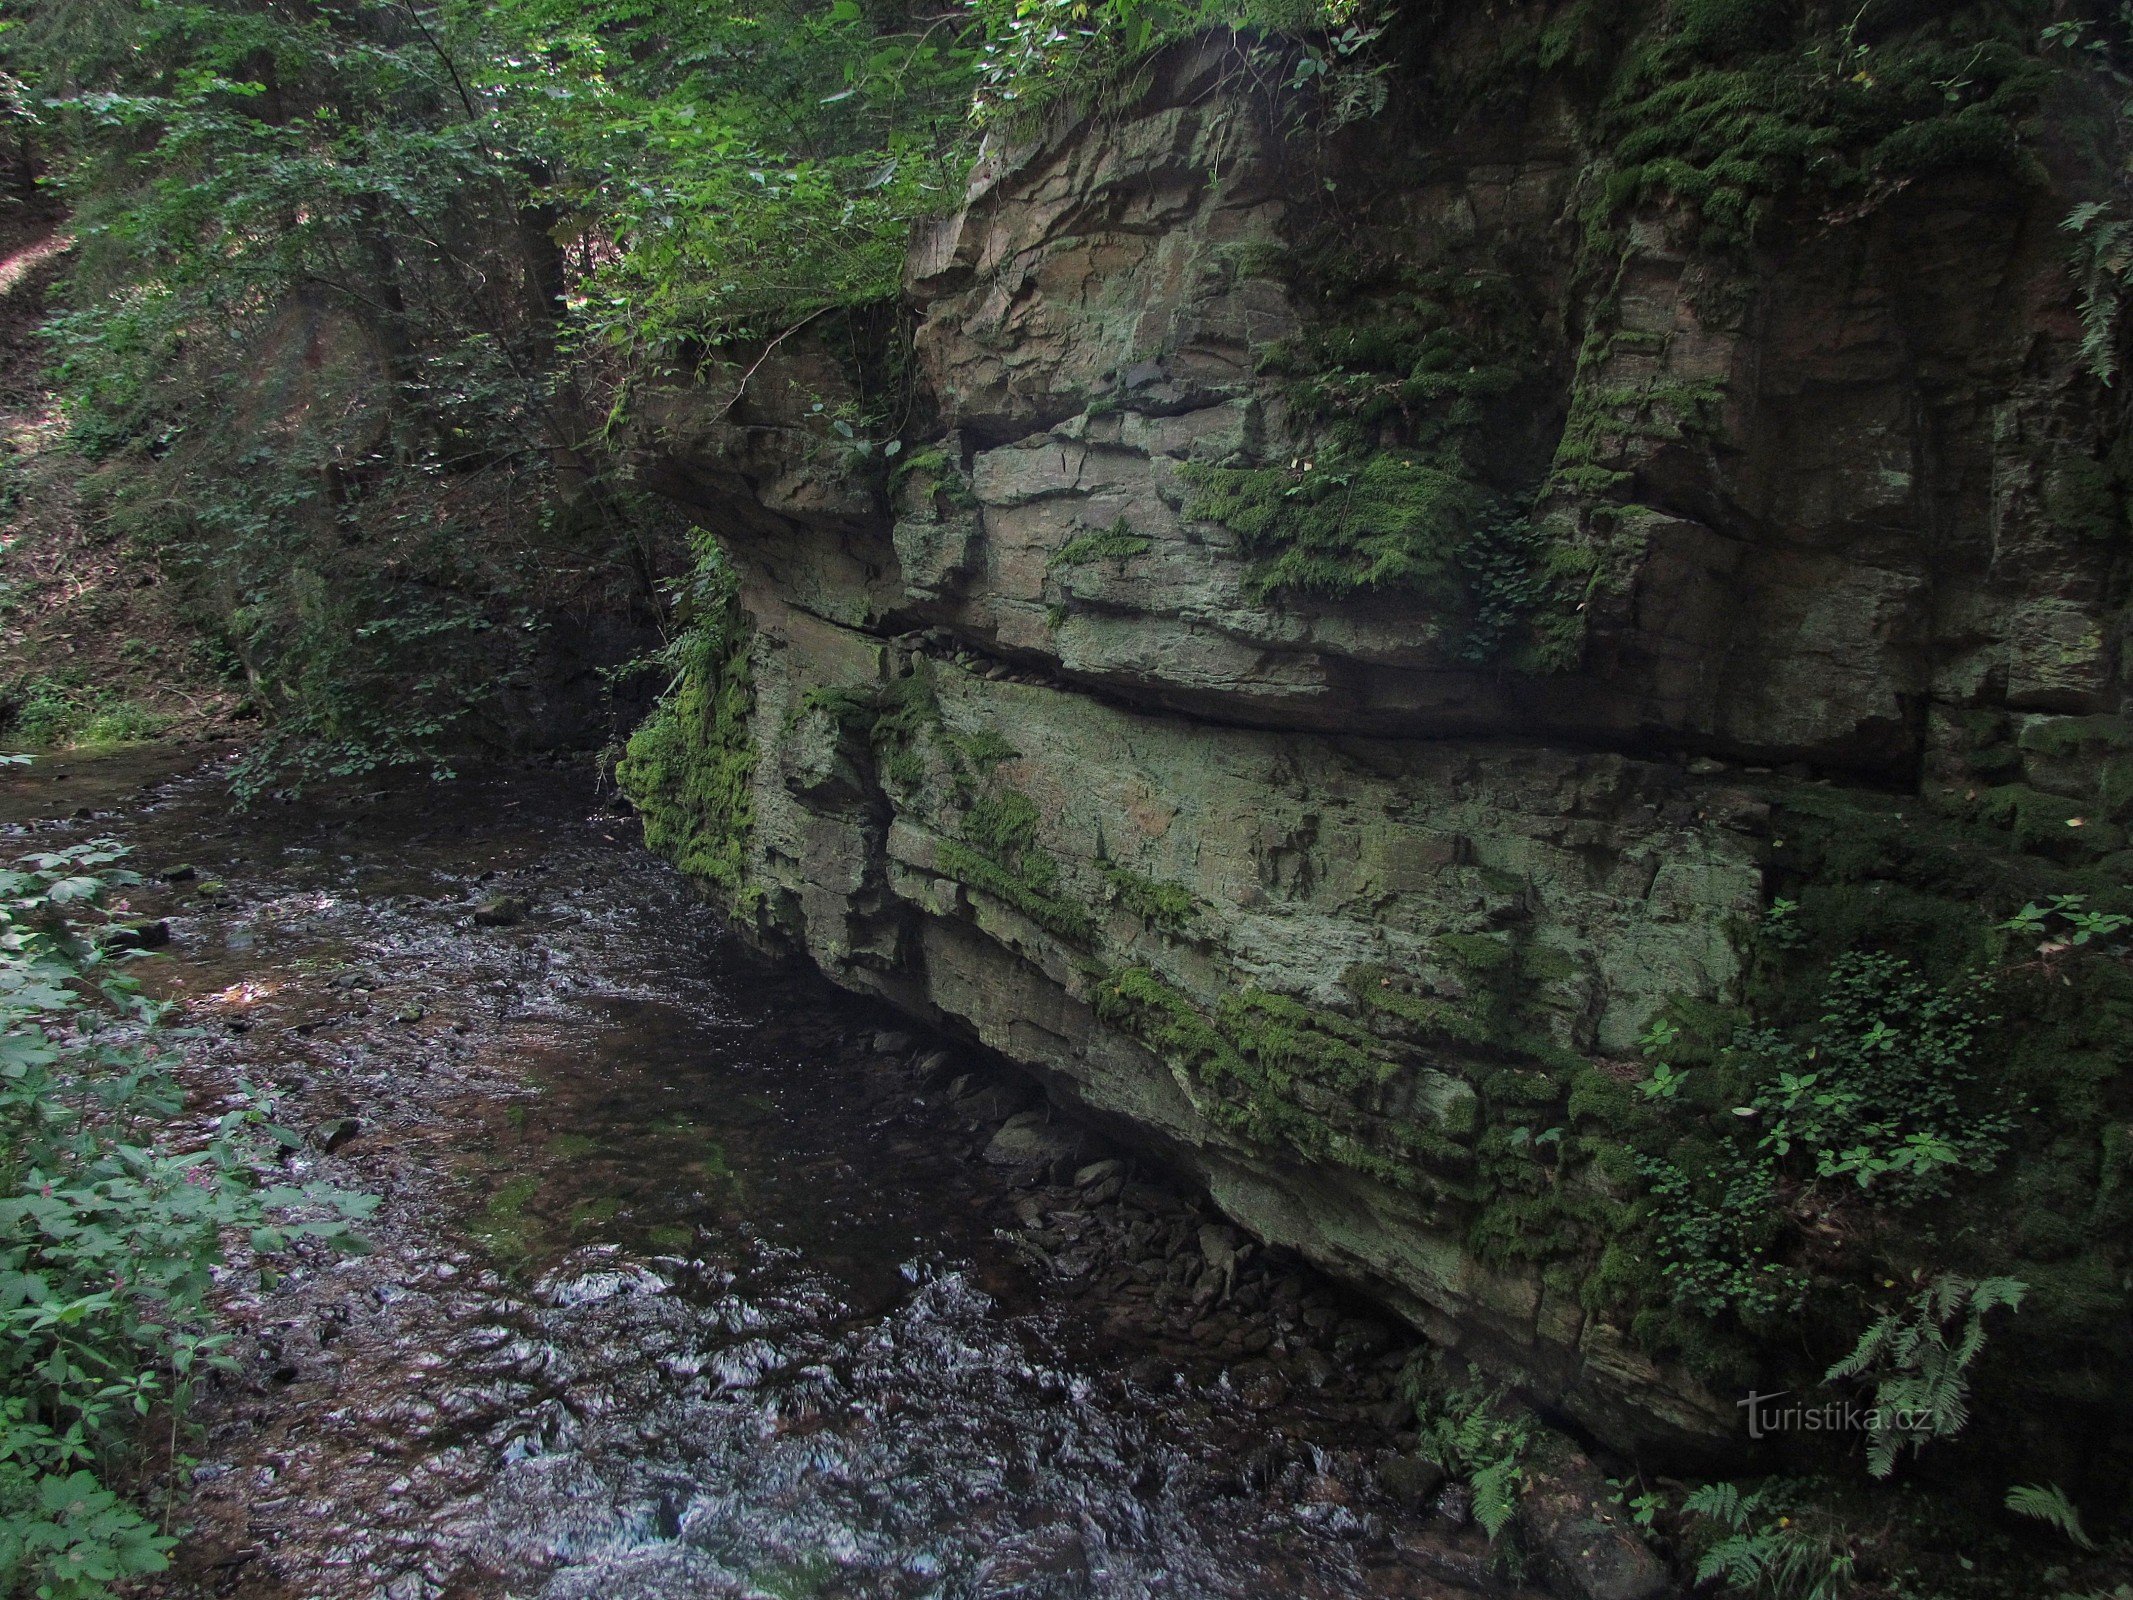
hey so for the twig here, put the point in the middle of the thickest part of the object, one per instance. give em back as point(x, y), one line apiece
point(756, 365)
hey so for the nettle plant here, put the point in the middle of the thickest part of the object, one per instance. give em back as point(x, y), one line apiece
point(115, 1210)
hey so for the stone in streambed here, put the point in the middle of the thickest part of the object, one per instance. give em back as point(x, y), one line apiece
point(1412, 1480)
point(137, 933)
point(504, 911)
point(334, 1132)
point(1572, 1524)
point(986, 1099)
point(1029, 1142)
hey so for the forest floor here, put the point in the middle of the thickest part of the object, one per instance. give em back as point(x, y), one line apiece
point(95, 649)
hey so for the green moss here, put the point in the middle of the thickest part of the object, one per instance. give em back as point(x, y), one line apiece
point(907, 717)
point(931, 475)
point(2049, 824)
point(853, 709)
point(1275, 1072)
point(1388, 520)
point(1477, 952)
point(2076, 736)
point(1721, 30)
point(1116, 543)
point(503, 1226)
point(985, 749)
point(1733, 114)
point(594, 1212)
point(999, 854)
point(1973, 138)
point(1167, 906)
point(687, 767)
point(2087, 499)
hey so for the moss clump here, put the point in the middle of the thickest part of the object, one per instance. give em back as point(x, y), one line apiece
point(1720, 30)
point(1477, 952)
point(1426, 429)
point(1281, 1074)
point(503, 1227)
point(688, 765)
point(852, 709)
point(930, 478)
point(1169, 907)
point(1388, 520)
point(2087, 498)
point(2049, 824)
point(1116, 543)
point(907, 714)
point(1733, 113)
point(984, 749)
point(999, 854)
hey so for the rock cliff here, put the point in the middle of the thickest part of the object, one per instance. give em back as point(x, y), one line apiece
point(1372, 633)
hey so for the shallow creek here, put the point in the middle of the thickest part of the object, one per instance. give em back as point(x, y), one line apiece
point(686, 1281)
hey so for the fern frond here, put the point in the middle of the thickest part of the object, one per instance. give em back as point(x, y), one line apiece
point(1496, 1495)
point(1871, 1344)
point(1738, 1559)
point(1721, 1502)
point(1993, 1293)
point(2047, 1502)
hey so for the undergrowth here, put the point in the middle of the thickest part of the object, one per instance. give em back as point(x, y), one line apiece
point(117, 1205)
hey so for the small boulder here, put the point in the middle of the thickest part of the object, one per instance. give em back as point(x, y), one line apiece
point(504, 911)
point(334, 1132)
point(181, 873)
point(1219, 1245)
point(890, 1042)
point(1573, 1525)
point(1411, 1480)
point(136, 933)
point(1315, 1368)
point(1028, 1141)
point(986, 1099)
point(1358, 1339)
point(1260, 1385)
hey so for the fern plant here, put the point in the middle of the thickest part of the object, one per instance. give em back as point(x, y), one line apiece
point(1919, 1360)
point(1472, 1434)
point(2047, 1502)
point(1760, 1545)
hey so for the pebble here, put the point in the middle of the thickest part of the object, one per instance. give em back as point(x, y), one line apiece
point(504, 911)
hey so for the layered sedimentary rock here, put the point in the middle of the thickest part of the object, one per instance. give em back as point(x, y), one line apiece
point(1366, 622)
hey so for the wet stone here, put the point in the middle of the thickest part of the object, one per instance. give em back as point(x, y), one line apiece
point(503, 911)
point(1412, 1480)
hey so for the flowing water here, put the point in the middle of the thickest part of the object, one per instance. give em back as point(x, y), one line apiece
point(681, 1285)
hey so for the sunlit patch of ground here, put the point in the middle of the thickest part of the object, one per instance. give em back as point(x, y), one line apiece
point(92, 648)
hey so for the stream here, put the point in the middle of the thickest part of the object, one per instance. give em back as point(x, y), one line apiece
point(691, 1276)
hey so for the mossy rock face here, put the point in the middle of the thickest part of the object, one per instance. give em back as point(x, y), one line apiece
point(688, 767)
point(1365, 684)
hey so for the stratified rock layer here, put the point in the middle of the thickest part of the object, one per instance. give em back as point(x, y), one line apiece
point(1347, 915)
